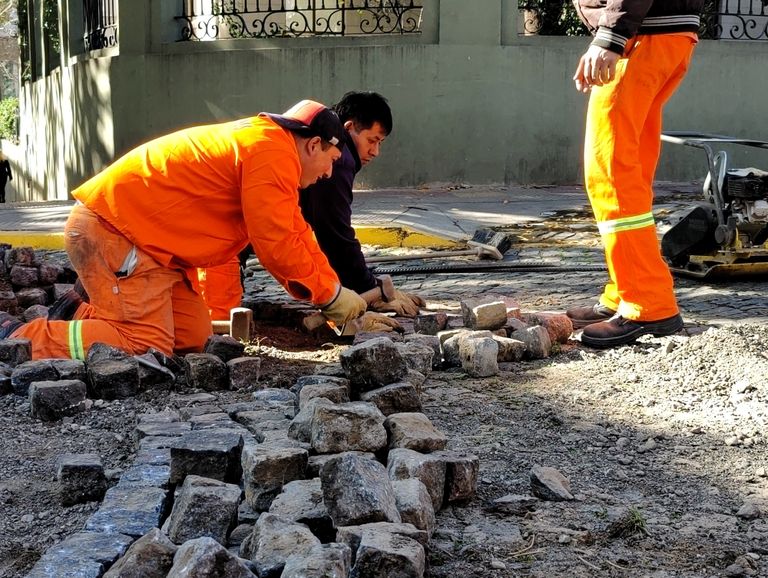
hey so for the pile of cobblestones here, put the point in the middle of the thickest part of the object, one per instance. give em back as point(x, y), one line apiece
point(341, 473)
point(336, 473)
point(29, 284)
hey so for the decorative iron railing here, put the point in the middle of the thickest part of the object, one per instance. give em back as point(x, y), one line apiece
point(99, 24)
point(735, 20)
point(217, 19)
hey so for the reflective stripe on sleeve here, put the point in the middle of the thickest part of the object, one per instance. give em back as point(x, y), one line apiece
point(626, 224)
point(76, 340)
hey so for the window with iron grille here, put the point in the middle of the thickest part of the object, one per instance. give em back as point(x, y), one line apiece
point(218, 19)
point(99, 23)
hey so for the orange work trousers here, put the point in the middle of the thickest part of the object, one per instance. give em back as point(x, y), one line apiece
point(220, 288)
point(621, 151)
point(135, 303)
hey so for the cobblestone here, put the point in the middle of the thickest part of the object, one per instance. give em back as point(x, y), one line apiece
point(701, 302)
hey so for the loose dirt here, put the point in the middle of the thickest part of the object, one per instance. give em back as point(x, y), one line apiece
point(663, 442)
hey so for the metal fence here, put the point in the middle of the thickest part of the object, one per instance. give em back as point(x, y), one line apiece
point(735, 20)
point(99, 24)
point(217, 19)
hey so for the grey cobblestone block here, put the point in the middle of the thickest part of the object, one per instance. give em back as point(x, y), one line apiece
point(208, 453)
point(52, 400)
point(373, 363)
point(204, 507)
point(273, 541)
point(82, 555)
point(418, 356)
point(81, 478)
point(354, 426)
point(301, 501)
point(384, 550)
point(224, 347)
point(325, 560)
point(266, 469)
point(29, 371)
point(15, 351)
point(330, 391)
point(130, 511)
point(196, 559)
point(170, 429)
point(151, 556)
point(404, 464)
point(205, 371)
point(243, 372)
point(357, 490)
point(394, 398)
point(23, 276)
point(114, 378)
point(146, 475)
point(479, 356)
point(31, 296)
point(415, 504)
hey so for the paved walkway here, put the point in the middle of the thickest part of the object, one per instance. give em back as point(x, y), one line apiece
point(390, 217)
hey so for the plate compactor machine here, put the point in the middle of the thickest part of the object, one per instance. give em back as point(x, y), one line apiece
point(726, 235)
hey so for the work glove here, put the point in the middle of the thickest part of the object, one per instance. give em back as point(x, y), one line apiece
point(372, 322)
point(404, 304)
point(347, 306)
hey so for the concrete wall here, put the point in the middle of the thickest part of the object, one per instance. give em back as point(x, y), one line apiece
point(473, 102)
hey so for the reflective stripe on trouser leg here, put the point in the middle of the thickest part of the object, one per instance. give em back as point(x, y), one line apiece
point(76, 349)
point(623, 119)
point(69, 339)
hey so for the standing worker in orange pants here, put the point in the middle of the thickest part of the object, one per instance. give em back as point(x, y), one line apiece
point(638, 57)
point(194, 198)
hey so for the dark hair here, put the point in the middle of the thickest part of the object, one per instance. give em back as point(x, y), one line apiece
point(364, 109)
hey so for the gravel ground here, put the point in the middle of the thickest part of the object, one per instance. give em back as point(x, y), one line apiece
point(663, 442)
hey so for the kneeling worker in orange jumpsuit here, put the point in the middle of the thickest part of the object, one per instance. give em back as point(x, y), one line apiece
point(195, 198)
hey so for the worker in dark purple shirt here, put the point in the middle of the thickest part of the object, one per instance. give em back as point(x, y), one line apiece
point(327, 205)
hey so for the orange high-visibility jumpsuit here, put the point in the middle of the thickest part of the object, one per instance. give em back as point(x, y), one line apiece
point(191, 199)
point(622, 147)
point(221, 288)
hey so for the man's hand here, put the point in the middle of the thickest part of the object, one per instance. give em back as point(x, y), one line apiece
point(377, 322)
point(347, 306)
point(404, 304)
point(596, 67)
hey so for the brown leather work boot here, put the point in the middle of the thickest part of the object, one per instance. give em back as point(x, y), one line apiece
point(583, 316)
point(621, 331)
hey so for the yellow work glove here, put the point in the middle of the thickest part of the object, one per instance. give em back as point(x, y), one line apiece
point(347, 306)
point(377, 322)
point(405, 304)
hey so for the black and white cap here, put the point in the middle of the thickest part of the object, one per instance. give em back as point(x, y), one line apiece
point(309, 118)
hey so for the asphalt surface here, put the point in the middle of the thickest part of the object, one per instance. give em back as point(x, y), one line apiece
point(551, 225)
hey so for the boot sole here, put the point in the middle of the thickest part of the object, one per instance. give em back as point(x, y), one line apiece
point(655, 328)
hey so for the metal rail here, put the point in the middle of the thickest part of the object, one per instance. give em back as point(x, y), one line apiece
point(495, 267)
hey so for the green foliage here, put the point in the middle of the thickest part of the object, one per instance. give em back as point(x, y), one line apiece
point(555, 18)
point(631, 523)
point(9, 118)
point(51, 23)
